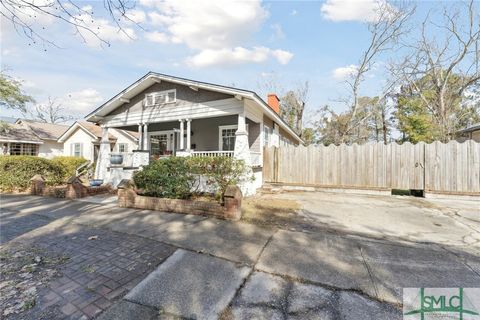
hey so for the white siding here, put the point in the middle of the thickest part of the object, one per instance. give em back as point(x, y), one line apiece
point(50, 149)
point(122, 138)
point(79, 136)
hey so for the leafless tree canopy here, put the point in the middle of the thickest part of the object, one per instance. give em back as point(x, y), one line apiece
point(293, 106)
point(23, 15)
point(50, 112)
point(439, 70)
point(385, 32)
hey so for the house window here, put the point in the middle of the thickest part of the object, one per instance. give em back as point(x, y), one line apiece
point(156, 98)
point(227, 137)
point(267, 133)
point(76, 150)
point(122, 147)
point(23, 149)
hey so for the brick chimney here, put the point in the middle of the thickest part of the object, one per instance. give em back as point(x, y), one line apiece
point(273, 102)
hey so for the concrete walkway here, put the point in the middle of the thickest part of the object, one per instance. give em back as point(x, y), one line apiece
point(242, 271)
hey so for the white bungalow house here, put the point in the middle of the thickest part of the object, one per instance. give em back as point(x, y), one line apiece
point(28, 137)
point(183, 117)
point(82, 139)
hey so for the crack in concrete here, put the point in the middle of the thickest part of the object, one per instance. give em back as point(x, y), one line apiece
point(370, 274)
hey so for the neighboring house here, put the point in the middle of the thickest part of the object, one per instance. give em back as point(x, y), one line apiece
point(176, 116)
point(82, 139)
point(49, 134)
point(27, 137)
point(470, 133)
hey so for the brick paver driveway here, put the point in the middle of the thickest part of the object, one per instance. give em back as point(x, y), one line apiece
point(116, 263)
point(95, 272)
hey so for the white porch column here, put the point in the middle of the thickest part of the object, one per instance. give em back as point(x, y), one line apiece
point(189, 130)
point(145, 137)
point(181, 135)
point(242, 150)
point(103, 160)
point(140, 139)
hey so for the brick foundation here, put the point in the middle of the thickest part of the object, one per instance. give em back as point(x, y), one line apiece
point(231, 210)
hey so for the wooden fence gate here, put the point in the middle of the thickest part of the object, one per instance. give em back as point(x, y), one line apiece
point(437, 167)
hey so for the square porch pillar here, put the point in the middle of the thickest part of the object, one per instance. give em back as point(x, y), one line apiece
point(103, 160)
point(242, 149)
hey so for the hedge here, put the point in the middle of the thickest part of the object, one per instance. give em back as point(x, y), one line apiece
point(16, 171)
point(69, 165)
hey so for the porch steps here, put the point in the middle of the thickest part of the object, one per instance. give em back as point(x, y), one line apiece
point(269, 189)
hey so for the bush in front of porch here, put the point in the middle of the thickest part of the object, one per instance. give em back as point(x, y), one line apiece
point(179, 177)
point(166, 178)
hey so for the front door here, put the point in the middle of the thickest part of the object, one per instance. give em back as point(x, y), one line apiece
point(161, 143)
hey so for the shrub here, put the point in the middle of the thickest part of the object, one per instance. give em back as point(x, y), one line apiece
point(166, 178)
point(16, 171)
point(221, 171)
point(69, 165)
point(177, 177)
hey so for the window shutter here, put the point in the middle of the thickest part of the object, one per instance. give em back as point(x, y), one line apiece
point(81, 150)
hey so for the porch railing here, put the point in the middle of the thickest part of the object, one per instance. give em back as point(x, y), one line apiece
point(212, 153)
point(127, 157)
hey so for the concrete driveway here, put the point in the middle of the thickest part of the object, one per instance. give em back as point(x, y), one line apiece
point(450, 222)
point(169, 266)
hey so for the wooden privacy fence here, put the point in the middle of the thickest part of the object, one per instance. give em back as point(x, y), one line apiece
point(437, 167)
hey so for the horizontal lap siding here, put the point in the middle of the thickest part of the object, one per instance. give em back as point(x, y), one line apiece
point(172, 112)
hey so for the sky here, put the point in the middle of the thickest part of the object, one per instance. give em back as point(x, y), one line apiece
point(234, 43)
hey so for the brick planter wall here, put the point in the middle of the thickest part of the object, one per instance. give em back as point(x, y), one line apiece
point(73, 190)
point(128, 198)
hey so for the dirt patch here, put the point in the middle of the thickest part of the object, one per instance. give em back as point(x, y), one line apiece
point(24, 270)
point(274, 212)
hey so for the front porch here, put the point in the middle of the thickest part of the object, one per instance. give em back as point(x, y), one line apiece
point(208, 137)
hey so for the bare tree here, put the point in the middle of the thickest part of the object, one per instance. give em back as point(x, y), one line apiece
point(292, 106)
point(23, 15)
point(385, 32)
point(439, 71)
point(50, 112)
point(292, 102)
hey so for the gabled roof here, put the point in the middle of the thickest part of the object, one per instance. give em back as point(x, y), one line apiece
point(153, 77)
point(45, 131)
point(94, 131)
point(20, 134)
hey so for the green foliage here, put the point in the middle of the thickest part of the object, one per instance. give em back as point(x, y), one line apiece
point(425, 112)
point(68, 164)
point(308, 136)
point(4, 126)
point(177, 177)
point(166, 178)
point(220, 172)
point(11, 94)
point(414, 121)
point(16, 171)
